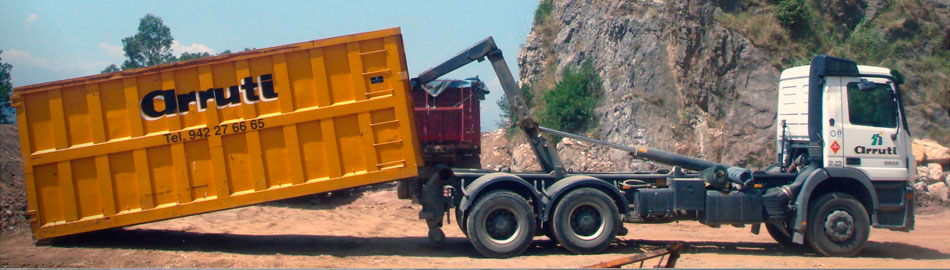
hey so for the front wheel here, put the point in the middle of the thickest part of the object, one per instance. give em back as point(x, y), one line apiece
point(837, 225)
point(781, 235)
point(586, 221)
point(501, 225)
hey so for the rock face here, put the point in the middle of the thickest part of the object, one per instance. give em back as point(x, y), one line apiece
point(673, 78)
point(676, 79)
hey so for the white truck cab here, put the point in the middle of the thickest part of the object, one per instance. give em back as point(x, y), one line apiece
point(842, 130)
point(863, 125)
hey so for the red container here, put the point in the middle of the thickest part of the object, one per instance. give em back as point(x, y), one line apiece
point(447, 118)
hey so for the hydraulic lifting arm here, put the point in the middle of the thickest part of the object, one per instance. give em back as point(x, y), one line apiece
point(546, 152)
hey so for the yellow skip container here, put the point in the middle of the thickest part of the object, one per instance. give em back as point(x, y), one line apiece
point(179, 139)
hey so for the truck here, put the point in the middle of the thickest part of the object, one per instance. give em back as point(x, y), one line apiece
point(340, 116)
point(844, 165)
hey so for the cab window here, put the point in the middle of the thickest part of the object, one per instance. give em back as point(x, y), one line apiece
point(876, 108)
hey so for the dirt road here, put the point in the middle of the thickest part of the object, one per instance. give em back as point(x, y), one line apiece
point(374, 229)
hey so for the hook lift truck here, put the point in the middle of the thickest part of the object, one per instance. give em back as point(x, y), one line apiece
point(844, 164)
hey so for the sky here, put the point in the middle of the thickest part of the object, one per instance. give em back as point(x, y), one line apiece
point(54, 40)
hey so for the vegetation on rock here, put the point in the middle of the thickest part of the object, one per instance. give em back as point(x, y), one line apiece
point(902, 35)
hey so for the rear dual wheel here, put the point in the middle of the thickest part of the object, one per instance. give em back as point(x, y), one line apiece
point(585, 221)
point(501, 225)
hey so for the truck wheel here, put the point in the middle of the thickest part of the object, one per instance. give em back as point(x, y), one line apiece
point(837, 225)
point(501, 224)
point(460, 221)
point(547, 229)
point(780, 236)
point(585, 221)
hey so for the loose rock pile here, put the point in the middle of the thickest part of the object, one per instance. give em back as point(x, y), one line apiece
point(12, 189)
point(933, 178)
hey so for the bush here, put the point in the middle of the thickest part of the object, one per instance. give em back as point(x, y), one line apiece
point(866, 45)
point(506, 113)
point(542, 12)
point(792, 14)
point(508, 120)
point(570, 106)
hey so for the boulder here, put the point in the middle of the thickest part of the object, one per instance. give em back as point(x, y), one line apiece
point(936, 172)
point(918, 150)
point(939, 190)
point(923, 173)
point(920, 188)
point(932, 152)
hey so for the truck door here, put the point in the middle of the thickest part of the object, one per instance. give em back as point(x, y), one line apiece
point(871, 122)
point(832, 124)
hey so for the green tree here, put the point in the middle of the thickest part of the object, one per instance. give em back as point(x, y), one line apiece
point(543, 11)
point(150, 46)
point(111, 68)
point(185, 56)
point(792, 14)
point(7, 114)
point(570, 106)
point(507, 115)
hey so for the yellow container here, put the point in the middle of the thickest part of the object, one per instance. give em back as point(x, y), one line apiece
point(204, 135)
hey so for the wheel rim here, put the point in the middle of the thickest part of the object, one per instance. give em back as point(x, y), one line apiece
point(587, 221)
point(502, 226)
point(839, 225)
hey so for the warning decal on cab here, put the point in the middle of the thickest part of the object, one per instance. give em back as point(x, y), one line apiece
point(835, 146)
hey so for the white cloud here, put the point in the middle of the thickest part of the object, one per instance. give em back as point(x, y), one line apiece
point(32, 17)
point(178, 48)
point(113, 51)
point(21, 59)
point(18, 57)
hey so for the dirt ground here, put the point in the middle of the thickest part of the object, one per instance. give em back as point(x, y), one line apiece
point(372, 228)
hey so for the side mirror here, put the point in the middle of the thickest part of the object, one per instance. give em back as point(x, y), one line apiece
point(866, 85)
point(898, 77)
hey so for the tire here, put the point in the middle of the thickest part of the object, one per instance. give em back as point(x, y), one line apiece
point(780, 236)
point(490, 226)
point(850, 221)
point(585, 221)
point(460, 221)
point(547, 229)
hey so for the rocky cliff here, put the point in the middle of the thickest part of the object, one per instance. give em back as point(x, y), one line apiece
point(674, 78)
